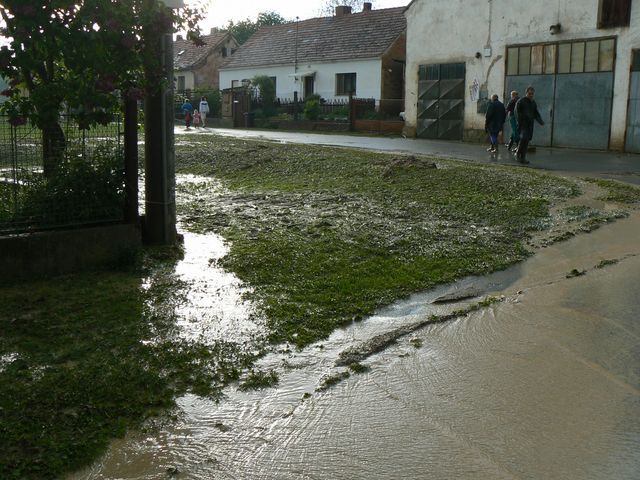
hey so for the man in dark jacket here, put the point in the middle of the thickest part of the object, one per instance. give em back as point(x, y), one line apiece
point(526, 113)
point(494, 121)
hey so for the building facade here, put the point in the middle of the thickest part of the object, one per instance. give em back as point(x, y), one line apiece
point(360, 53)
point(581, 56)
point(197, 66)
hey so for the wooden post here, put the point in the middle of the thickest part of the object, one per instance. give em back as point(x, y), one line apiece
point(352, 113)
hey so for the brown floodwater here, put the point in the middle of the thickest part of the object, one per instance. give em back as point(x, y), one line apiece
point(543, 384)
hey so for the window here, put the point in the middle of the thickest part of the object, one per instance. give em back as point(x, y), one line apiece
point(591, 56)
point(614, 13)
point(224, 51)
point(568, 57)
point(181, 84)
point(273, 80)
point(635, 62)
point(524, 60)
point(550, 59)
point(577, 57)
point(537, 57)
point(345, 83)
point(512, 61)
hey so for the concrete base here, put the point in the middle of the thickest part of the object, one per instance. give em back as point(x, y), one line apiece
point(46, 254)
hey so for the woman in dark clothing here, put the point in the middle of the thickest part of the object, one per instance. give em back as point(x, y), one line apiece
point(494, 121)
point(526, 113)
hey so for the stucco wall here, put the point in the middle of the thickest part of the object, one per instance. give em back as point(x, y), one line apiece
point(207, 75)
point(188, 79)
point(444, 31)
point(368, 78)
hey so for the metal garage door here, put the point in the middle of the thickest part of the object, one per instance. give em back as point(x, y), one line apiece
point(574, 89)
point(441, 101)
point(545, 86)
point(633, 115)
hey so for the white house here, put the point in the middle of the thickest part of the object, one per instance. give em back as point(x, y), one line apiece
point(582, 56)
point(362, 53)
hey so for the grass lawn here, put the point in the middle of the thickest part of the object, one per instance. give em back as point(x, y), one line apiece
point(328, 235)
point(323, 235)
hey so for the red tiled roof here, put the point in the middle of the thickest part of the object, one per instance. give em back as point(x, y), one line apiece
point(347, 37)
point(186, 55)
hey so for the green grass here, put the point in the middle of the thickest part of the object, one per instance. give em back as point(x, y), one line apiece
point(326, 235)
point(616, 191)
point(88, 356)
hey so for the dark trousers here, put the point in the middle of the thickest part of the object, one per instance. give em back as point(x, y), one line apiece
point(526, 134)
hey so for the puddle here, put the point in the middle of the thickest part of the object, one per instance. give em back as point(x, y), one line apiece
point(540, 385)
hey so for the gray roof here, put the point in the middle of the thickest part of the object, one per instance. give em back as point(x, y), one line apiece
point(347, 37)
point(187, 55)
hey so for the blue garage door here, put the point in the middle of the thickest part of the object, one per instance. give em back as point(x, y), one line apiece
point(633, 115)
point(574, 89)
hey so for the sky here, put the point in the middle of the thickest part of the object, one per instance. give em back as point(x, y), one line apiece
point(221, 11)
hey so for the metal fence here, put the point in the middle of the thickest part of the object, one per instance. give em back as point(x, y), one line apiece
point(83, 182)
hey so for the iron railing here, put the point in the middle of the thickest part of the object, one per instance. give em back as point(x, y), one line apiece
point(78, 179)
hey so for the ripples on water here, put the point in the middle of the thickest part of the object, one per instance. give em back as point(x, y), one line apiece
point(543, 385)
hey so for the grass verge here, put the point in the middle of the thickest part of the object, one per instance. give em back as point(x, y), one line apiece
point(327, 235)
point(87, 356)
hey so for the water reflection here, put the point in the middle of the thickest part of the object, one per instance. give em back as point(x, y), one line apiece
point(545, 384)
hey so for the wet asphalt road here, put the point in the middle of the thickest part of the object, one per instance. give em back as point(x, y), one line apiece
point(614, 165)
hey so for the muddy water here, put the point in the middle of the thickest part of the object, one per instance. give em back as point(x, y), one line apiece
point(544, 384)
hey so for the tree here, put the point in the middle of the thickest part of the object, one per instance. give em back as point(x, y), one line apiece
point(266, 89)
point(81, 55)
point(329, 6)
point(243, 30)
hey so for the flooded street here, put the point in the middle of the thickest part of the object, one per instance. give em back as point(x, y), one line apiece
point(542, 384)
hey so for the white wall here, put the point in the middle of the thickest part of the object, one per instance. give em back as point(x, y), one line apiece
point(189, 80)
point(368, 78)
point(445, 31)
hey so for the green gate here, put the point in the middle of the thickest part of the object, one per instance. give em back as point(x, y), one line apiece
point(441, 101)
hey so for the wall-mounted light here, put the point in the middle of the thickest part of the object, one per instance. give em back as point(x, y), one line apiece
point(555, 29)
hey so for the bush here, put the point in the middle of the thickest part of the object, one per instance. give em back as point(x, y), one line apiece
point(214, 98)
point(267, 92)
point(81, 190)
point(312, 107)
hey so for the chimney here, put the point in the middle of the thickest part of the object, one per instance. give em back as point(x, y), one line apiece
point(214, 30)
point(342, 11)
point(366, 7)
point(178, 37)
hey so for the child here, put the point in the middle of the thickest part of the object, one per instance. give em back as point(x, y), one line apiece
point(196, 118)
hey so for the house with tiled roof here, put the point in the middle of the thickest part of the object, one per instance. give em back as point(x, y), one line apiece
point(361, 53)
point(196, 66)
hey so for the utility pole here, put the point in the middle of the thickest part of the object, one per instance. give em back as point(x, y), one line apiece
point(160, 207)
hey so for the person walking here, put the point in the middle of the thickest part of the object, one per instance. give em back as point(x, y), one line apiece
point(494, 121)
point(526, 113)
point(187, 108)
point(514, 139)
point(204, 110)
point(196, 118)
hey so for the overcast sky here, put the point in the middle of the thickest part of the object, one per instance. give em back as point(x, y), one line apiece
point(221, 11)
